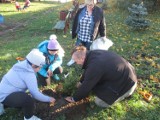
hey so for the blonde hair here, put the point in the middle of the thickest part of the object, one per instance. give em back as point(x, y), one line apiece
point(79, 52)
point(90, 1)
point(79, 48)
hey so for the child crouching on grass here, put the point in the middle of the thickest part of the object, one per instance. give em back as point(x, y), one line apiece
point(54, 54)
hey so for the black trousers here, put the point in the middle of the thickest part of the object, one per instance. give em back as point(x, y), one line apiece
point(42, 80)
point(20, 100)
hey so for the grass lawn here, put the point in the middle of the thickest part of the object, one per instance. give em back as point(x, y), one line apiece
point(141, 48)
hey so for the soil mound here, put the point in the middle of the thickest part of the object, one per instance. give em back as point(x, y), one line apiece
point(70, 111)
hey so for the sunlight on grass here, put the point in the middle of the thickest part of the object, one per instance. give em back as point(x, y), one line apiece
point(6, 56)
point(139, 104)
point(120, 109)
point(12, 15)
point(9, 9)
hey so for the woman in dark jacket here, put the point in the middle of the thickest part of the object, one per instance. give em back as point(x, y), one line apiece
point(89, 22)
point(97, 23)
point(109, 76)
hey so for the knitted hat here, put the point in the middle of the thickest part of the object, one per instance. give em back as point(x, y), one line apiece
point(53, 45)
point(36, 57)
point(53, 37)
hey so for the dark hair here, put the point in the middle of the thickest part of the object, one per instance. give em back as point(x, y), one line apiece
point(35, 66)
point(52, 49)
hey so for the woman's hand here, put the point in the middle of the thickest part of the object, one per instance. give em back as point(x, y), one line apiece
point(70, 99)
point(78, 84)
point(52, 100)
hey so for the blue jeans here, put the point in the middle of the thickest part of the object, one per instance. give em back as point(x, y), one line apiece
point(86, 44)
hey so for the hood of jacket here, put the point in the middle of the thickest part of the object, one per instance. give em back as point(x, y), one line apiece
point(23, 66)
point(43, 46)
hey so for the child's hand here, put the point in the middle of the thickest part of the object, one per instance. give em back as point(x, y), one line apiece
point(50, 73)
point(70, 99)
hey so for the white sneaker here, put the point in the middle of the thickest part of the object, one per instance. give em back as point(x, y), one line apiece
point(1, 109)
point(70, 31)
point(70, 62)
point(33, 118)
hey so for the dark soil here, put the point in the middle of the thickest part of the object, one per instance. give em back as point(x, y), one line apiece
point(70, 111)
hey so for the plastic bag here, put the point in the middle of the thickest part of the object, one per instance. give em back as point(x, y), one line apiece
point(101, 43)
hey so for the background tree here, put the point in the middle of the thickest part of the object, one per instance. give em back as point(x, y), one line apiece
point(136, 20)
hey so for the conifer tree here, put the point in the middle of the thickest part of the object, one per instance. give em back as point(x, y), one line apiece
point(136, 20)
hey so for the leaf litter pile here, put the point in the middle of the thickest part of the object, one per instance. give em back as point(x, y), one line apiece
point(61, 107)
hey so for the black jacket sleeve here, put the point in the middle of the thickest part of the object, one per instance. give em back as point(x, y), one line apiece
point(89, 82)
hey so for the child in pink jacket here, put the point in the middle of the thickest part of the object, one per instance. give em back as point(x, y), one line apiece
point(27, 4)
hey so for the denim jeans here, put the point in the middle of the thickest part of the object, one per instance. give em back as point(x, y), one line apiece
point(86, 44)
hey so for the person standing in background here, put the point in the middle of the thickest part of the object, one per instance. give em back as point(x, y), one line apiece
point(88, 23)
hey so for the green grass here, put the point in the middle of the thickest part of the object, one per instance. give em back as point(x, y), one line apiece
point(141, 48)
